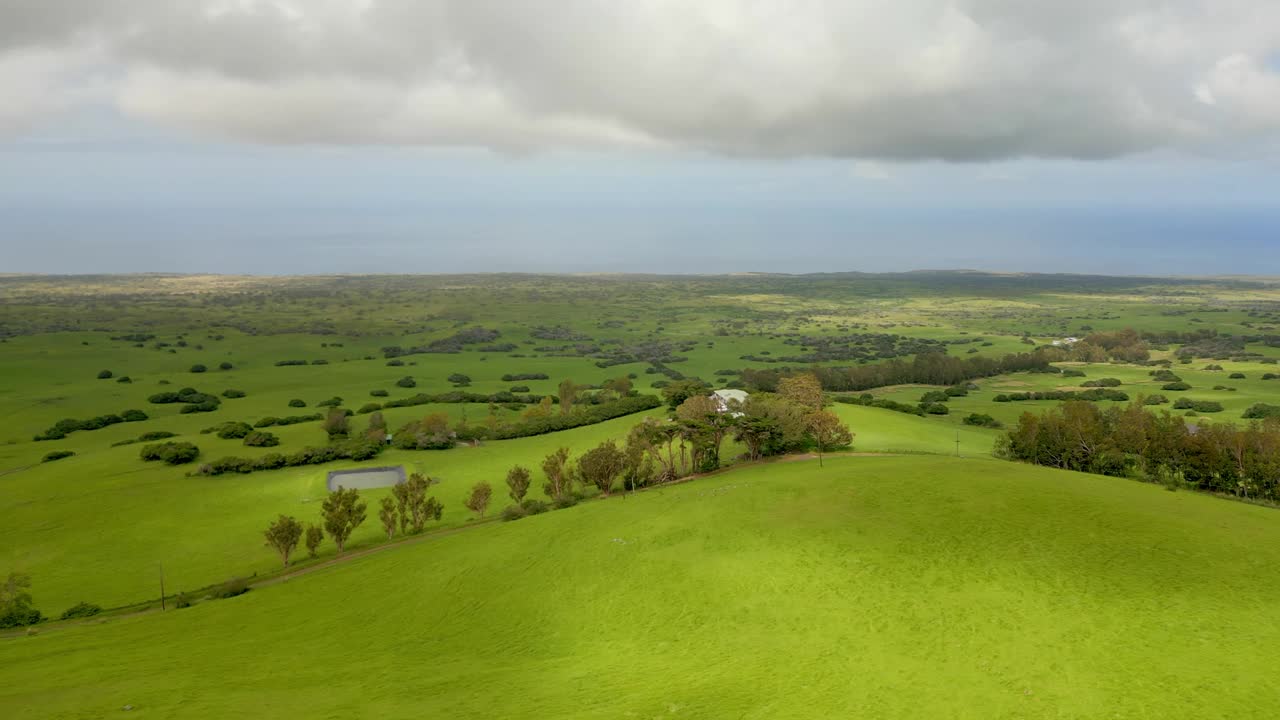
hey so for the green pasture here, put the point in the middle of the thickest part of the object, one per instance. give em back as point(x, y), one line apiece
point(887, 587)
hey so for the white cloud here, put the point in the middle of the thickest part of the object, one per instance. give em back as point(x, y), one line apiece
point(915, 79)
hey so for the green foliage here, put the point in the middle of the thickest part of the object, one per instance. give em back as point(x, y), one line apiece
point(342, 512)
point(80, 610)
point(1200, 406)
point(57, 455)
point(283, 536)
point(170, 453)
point(198, 368)
point(982, 420)
point(15, 602)
point(232, 393)
point(260, 438)
point(600, 466)
point(1261, 411)
point(406, 382)
point(225, 366)
point(378, 393)
point(234, 430)
point(231, 588)
point(105, 375)
point(478, 500)
point(1176, 386)
point(1102, 383)
point(518, 480)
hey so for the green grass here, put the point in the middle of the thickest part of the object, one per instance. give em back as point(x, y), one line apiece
point(889, 587)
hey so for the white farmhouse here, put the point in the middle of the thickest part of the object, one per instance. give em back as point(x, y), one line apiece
point(729, 398)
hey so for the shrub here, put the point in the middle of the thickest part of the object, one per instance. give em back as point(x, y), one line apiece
point(982, 420)
point(525, 376)
point(934, 396)
point(297, 403)
point(1101, 382)
point(533, 506)
point(332, 402)
point(286, 363)
point(124, 379)
point(1236, 376)
point(1269, 376)
point(378, 393)
point(57, 455)
point(406, 382)
point(459, 380)
point(1200, 406)
point(368, 408)
point(225, 366)
point(105, 375)
point(320, 362)
point(1259, 411)
point(519, 388)
point(1175, 386)
point(132, 415)
point(935, 408)
point(270, 461)
point(182, 601)
point(80, 610)
point(1155, 400)
point(206, 406)
point(234, 430)
point(1072, 372)
point(171, 453)
point(260, 438)
point(198, 368)
point(231, 588)
point(395, 363)
point(512, 512)
point(232, 393)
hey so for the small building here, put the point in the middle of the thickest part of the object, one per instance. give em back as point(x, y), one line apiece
point(1066, 341)
point(729, 398)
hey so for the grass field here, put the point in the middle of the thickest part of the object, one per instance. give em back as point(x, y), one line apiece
point(893, 587)
point(916, 585)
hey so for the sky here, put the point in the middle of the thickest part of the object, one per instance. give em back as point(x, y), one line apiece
point(351, 136)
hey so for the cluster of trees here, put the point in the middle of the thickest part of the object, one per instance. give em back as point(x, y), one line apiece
point(1131, 441)
point(930, 368)
point(193, 400)
point(170, 453)
point(1125, 346)
point(65, 427)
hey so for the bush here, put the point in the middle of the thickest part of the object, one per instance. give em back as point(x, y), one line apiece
point(271, 420)
point(935, 408)
point(1155, 400)
point(1175, 386)
point(233, 394)
point(531, 506)
point(512, 512)
point(1200, 406)
point(106, 375)
point(378, 393)
point(519, 388)
point(1269, 376)
point(1260, 411)
point(395, 363)
point(182, 601)
point(368, 408)
point(124, 379)
point(198, 368)
point(459, 380)
point(234, 430)
point(525, 376)
point(260, 438)
point(231, 588)
point(1236, 376)
point(57, 455)
point(934, 396)
point(171, 453)
point(80, 610)
point(225, 366)
point(297, 403)
point(982, 420)
point(406, 382)
point(320, 362)
point(132, 415)
point(200, 407)
point(1101, 382)
point(1072, 372)
point(286, 363)
point(20, 617)
point(332, 402)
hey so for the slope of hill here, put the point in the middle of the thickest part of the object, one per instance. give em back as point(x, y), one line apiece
point(889, 587)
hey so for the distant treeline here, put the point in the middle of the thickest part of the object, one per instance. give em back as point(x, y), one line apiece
point(926, 369)
point(1131, 441)
point(1093, 395)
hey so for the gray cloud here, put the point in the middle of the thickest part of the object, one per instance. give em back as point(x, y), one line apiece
point(962, 80)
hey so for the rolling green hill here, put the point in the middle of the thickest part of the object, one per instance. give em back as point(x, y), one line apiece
point(887, 587)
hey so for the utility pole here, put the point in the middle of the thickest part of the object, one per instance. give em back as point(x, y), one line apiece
point(161, 565)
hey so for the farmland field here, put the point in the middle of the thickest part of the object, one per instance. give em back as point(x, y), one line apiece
point(910, 574)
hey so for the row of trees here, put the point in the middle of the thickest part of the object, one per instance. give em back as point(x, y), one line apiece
point(932, 368)
point(407, 510)
point(1132, 441)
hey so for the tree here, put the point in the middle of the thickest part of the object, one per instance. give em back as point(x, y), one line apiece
point(568, 393)
point(638, 469)
point(680, 390)
point(660, 439)
point(828, 432)
point(342, 513)
point(601, 465)
point(336, 424)
point(518, 479)
point(413, 505)
point(283, 536)
point(478, 500)
point(803, 389)
point(705, 427)
point(15, 602)
point(555, 468)
point(387, 514)
point(315, 536)
point(619, 386)
point(770, 425)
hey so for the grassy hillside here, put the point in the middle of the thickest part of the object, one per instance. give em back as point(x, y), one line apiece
point(888, 587)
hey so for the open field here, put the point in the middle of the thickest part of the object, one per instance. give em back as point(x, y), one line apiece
point(888, 587)
point(918, 585)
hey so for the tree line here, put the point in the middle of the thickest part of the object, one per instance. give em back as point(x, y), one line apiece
point(1131, 441)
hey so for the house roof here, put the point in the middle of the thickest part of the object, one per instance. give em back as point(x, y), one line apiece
point(728, 394)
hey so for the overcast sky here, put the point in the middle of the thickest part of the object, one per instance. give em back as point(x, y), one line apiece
point(301, 136)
